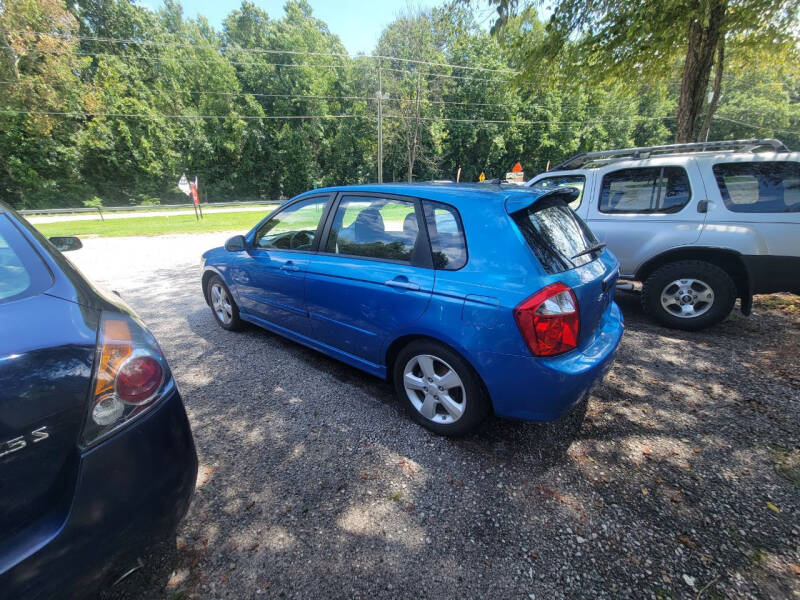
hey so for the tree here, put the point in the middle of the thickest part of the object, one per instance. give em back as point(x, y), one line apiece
point(37, 153)
point(619, 37)
point(414, 94)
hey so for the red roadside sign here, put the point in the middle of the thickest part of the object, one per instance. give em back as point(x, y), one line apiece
point(517, 168)
point(193, 187)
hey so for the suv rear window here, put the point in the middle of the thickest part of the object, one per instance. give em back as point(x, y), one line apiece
point(22, 273)
point(645, 190)
point(557, 236)
point(759, 187)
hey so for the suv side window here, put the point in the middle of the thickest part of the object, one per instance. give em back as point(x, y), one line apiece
point(562, 181)
point(375, 227)
point(22, 273)
point(759, 187)
point(294, 227)
point(645, 190)
point(446, 232)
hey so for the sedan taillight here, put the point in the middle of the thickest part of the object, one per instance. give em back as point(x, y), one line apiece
point(549, 320)
point(130, 375)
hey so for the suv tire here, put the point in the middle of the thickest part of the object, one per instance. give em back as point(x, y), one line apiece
point(689, 295)
point(435, 373)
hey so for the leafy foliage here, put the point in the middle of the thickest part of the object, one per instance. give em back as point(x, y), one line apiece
point(269, 106)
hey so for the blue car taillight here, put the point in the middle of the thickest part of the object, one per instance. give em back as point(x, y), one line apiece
point(130, 376)
point(549, 320)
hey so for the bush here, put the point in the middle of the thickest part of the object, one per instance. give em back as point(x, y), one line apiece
point(94, 202)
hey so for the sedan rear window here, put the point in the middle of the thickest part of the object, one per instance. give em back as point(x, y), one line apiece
point(22, 273)
point(558, 237)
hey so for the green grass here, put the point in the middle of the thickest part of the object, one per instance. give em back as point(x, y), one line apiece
point(159, 208)
point(237, 221)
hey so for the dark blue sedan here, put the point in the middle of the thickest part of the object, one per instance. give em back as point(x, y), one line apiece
point(97, 460)
point(470, 299)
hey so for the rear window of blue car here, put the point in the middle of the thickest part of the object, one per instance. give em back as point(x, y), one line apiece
point(558, 237)
point(22, 272)
point(446, 232)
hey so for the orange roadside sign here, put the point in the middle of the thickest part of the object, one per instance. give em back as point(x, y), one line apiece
point(517, 168)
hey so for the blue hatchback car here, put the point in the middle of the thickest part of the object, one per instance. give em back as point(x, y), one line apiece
point(470, 298)
point(97, 460)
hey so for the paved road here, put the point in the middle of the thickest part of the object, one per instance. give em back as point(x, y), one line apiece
point(314, 483)
point(38, 220)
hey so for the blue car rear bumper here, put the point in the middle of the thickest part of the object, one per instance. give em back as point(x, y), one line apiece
point(131, 491)
point(546, 389)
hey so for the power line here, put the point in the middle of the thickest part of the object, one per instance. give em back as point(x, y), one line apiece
point(182, 116)
point(124, 57)
point(441, 75)
point(181, 59)
point(340, 116)
point(517, 122)
point(753, 125)
point(297, 96)
point(210, 93)
point(266, 51)
point(537, 122)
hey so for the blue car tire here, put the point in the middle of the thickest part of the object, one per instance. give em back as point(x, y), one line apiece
point(222, 304)
point(439, 388)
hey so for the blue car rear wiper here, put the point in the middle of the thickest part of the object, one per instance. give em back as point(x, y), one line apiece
point(591, 249)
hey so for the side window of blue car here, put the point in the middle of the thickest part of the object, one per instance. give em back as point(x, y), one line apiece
point(446, 232)
point(294, 227)
point(375, 227)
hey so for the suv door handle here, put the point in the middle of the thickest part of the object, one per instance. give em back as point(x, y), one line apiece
point(702, 206)
point(290, 266)
point(403, 285)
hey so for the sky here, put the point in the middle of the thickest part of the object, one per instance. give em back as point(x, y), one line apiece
point(358, 23)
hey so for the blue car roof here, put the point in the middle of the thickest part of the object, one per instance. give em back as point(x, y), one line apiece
point(451, 192)
point(513, 197)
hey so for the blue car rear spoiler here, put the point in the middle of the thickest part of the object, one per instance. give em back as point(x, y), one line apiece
point(523, 199)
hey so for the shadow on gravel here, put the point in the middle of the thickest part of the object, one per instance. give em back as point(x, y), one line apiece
point(314, 482)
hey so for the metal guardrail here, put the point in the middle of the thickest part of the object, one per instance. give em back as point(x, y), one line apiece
point(154, 207)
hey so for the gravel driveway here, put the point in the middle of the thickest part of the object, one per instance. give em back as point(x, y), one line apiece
point(682, 483)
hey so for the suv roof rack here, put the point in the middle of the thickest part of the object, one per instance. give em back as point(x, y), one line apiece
point(606, 156)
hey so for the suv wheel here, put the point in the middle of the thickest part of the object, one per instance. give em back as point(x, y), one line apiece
point(689, 295)
point(439, 388)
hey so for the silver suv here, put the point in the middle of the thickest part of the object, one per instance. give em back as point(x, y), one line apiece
point(698, 224)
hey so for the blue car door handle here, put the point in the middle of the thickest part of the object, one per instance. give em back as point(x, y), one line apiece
point(290, 266)
point(403, 285)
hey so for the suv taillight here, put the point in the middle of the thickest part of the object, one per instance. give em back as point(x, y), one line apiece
point(130, 375)
point(549, 320)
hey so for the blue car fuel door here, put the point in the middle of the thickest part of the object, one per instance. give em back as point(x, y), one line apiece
point(269, 278)
point(372, 276)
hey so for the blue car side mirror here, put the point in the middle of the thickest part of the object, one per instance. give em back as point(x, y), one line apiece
point(236, 244)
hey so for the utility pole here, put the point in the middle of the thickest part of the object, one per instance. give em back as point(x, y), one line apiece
point(381, 97)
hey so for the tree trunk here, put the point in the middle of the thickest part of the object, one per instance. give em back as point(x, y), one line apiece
point(703, 39)
point(712, 106)
point(11, 56)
